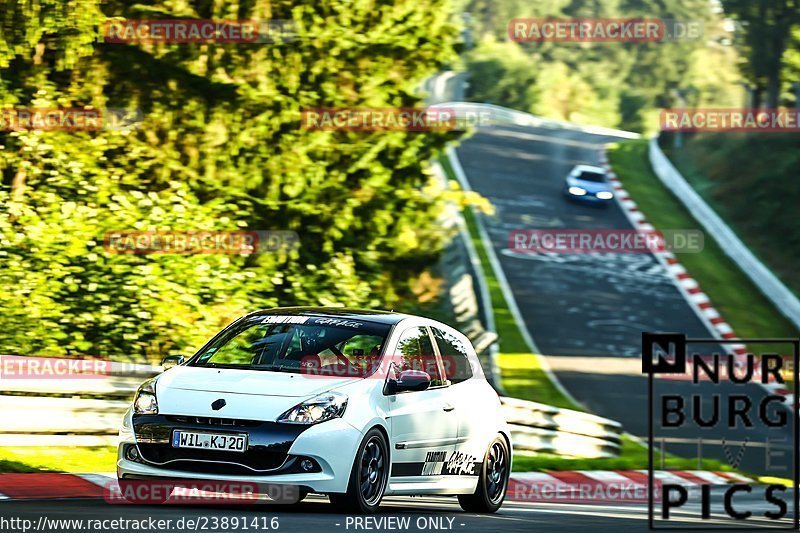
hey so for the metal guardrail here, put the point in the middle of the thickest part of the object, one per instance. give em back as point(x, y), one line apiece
point(87, 412)
point(48, 421)
point(496, 114)
point(540, 428)
point(535, 428)
point(767, 282)
point(466, 304)
point(84, 410)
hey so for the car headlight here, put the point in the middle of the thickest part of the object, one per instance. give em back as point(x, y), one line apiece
point(605, 195)
point(145, 403)
point(577, 191)
point(320, 408)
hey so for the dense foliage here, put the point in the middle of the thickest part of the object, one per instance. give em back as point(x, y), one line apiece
point(731, 172)
point(765, 37)
point(219, 147)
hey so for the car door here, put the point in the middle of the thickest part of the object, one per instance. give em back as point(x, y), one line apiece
point(424, 425)
point(471, 396)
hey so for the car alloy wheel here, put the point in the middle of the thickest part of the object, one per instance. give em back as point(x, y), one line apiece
point(368, 477)
point(372, 476)
point(493, 480)
point(496, 472)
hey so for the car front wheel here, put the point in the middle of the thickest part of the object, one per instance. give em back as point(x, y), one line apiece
point(368, 476)
point(493, 482)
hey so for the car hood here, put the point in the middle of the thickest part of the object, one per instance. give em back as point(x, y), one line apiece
point(590, 186)
point(251, 382)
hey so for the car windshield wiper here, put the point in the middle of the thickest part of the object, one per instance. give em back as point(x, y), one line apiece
point(290, 369)
point(268, 368)
point(235, 366)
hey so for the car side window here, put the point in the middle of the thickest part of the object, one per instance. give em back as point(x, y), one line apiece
point(455, 360)
point(415, 350)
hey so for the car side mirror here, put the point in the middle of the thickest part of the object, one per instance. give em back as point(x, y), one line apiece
point(172, 360)
point(409, 380)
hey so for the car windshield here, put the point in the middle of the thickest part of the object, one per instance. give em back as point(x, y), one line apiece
point(298, 344)
point(592, 176)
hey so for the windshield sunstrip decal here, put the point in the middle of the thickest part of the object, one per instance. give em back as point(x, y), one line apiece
point(283, 319)
point(338, 322)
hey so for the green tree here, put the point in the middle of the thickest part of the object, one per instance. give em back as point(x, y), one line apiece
point(219, 147)
point(562, 94)
point(766, 27)
point(613, 84)
point(500, 73)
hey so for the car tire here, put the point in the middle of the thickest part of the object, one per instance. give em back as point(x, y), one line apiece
point(131, 492)
point(493, 481)
point(368, 477)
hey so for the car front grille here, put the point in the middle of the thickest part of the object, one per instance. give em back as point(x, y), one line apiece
point(268, 443)
point(212, 461)
point(210, 421)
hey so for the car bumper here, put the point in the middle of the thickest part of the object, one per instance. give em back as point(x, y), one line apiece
point(588, 199)
point(330, 445)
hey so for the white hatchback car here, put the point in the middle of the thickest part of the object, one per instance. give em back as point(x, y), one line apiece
point(353, 404)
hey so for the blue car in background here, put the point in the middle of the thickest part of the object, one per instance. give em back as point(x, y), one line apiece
point(588, 185)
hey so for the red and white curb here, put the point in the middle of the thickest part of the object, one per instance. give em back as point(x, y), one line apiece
point(698, 300)
point(588, 486)
point(47, 485)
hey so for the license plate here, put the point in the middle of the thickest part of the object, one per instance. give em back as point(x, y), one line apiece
point(209, 441)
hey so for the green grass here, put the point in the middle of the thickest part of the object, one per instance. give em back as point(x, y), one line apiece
point(748, 312)
point(524, 378)
point(58, 459)
point(510, 338)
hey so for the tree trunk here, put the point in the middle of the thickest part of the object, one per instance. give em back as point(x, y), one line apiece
point(773, 90)
point(755, 96)
point(775, 63)
point(18, 184)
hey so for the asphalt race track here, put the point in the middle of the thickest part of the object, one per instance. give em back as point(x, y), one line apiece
point(573, 304)
point(584, 307)
point(422, 514)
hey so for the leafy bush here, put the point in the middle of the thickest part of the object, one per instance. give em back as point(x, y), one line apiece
point(219, 147)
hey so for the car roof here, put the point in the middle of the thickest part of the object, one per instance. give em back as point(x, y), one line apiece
point(382, 317)
point(589, 168)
